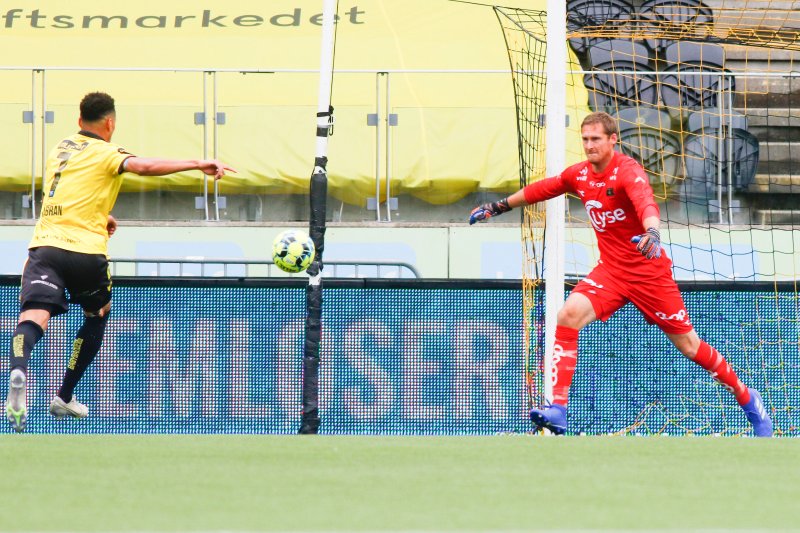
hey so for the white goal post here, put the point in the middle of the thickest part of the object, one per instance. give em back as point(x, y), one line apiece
point(555, 137)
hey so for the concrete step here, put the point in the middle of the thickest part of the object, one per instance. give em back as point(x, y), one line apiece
point(772, 217)
point(779, 151)
point(770, 125)
point(772, 117)
point(775, 168)
point(770, 94)
point(750, 54)
point(776, 184)
point(770, 134)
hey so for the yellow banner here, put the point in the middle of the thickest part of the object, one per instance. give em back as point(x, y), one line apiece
point(455, 133)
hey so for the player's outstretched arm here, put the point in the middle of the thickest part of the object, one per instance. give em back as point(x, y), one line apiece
point(537, 191)
point(151, 166)
point(492, 209)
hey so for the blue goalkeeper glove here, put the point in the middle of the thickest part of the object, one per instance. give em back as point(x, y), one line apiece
point(649, 243)
point(486, 211)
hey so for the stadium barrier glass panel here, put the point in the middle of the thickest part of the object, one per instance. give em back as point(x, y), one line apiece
point(17, 160)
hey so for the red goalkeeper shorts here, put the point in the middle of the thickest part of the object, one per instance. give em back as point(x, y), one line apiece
point(659, 299)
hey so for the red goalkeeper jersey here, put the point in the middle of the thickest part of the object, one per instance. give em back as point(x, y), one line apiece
point(616, 201)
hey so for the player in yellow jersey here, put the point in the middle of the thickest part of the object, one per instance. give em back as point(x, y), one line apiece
point(68, 251)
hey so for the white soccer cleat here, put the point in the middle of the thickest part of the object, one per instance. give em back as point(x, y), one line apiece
point(74, 409)
point(16, 408)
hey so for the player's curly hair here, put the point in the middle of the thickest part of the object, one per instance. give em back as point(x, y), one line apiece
point(96, 106)
point(607, 121)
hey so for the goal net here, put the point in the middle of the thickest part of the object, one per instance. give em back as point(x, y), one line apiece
point(706, 98)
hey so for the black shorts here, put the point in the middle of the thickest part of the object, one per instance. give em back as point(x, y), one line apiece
point(49, 272)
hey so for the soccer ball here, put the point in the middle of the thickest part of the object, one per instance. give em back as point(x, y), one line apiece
point(293, 251)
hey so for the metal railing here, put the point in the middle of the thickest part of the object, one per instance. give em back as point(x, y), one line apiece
point(248, 268)
point(383, 117)
point(210, 118)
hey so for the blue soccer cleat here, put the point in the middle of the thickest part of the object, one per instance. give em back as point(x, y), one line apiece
point(757, 415)
point(552, 417)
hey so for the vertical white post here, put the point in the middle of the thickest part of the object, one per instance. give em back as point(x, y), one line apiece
point(729, 143)
point(33, 144)
point(215, 139)
point(205, 141)
point(378, 146)
point(555, 161)
point(45, 149)
point(389, 150)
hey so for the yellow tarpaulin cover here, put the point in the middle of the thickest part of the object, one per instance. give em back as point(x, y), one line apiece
point(455, 132)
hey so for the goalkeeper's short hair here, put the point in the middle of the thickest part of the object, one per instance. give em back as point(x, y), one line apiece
point(599, 117)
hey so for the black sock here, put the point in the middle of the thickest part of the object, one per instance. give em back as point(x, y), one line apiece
point(84, 349)
point(26, 335)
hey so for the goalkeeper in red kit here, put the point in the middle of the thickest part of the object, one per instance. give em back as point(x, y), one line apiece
point(633, 268)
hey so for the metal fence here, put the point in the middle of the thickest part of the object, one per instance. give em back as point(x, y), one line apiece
point(377, 118)
point(252, 268)
point(375, 110)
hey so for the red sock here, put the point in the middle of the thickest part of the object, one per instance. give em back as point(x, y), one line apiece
point(565, 357)
point(716, 365)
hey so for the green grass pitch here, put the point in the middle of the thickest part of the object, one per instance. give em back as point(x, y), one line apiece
point(324, 483)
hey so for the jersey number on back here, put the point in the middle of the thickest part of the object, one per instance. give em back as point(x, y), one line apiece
point(64, 157)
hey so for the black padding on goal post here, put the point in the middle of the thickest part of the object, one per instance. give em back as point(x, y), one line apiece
point(310, 422)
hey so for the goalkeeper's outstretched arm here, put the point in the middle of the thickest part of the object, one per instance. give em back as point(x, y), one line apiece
point(530, 194)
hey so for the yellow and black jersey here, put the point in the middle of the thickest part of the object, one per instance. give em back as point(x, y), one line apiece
point(81, 186)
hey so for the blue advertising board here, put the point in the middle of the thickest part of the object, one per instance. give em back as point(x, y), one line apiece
point(413, 359)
